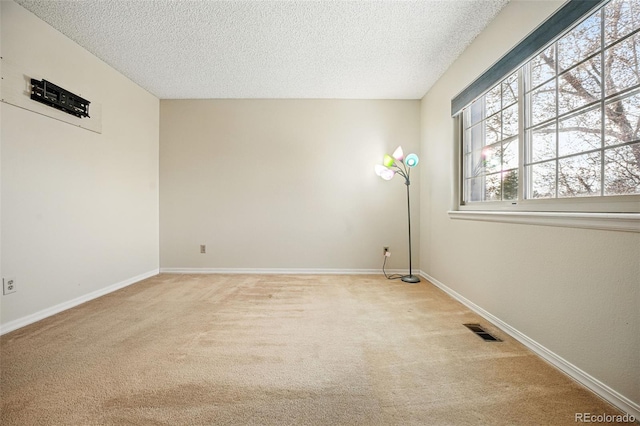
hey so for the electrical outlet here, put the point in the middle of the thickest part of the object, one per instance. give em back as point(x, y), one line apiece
point(8, 285)
point(386, 251)
point(203, 248)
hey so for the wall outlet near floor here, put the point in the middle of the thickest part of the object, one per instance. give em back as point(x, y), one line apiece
point(386, 251)
point(203, 248)
point(8, 285)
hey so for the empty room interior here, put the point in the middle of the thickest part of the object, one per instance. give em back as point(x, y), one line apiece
point(207, 218)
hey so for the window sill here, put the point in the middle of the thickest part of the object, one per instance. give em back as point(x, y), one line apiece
point(625, 222)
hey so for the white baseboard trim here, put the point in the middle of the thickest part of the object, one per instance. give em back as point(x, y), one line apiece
point(593, 384)
point(278, 271)
point(30, 319)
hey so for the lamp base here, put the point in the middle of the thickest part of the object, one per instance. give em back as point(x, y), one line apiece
point(411, 279)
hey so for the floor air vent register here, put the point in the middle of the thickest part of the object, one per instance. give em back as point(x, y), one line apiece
point(479, 331)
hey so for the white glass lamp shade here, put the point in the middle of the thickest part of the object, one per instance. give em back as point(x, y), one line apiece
point(398, 154)
point(384, 172)
point(388, 174)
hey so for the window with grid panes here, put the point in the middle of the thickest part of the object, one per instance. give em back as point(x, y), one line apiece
point(491, 144)
point(573, 128)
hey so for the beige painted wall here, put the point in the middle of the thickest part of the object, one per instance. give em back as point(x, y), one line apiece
point(574, 291)
point(269, 184)
point(79, 209)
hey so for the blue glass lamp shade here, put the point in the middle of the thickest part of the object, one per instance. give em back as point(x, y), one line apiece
point(411, 160)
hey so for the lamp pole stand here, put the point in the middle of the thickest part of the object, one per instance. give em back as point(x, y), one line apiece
point(411, 279)
point(386, 171)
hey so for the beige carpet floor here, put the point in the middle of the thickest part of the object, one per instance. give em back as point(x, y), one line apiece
point(277, 350)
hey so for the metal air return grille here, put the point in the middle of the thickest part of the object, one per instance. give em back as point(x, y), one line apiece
point(478, 330)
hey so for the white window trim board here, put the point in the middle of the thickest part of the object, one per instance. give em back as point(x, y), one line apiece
point(625, 222)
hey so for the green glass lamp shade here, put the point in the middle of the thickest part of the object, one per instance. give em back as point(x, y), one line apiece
point(388, 160)
point(411, 160)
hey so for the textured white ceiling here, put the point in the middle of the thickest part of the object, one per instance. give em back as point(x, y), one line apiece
point(179, 49)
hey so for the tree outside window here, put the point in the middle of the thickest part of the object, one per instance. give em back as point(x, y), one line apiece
point(580, 117)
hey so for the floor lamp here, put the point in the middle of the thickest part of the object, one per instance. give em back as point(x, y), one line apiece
point(398, 163)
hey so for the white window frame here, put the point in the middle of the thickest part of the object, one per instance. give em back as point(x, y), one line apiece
point(617, 212)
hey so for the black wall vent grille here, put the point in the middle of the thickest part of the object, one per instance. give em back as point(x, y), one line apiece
point(57, 97)
point(478, 330)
